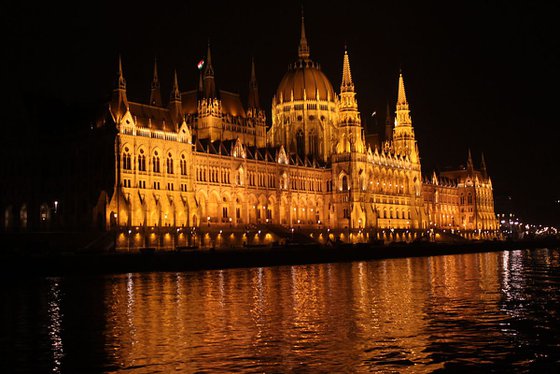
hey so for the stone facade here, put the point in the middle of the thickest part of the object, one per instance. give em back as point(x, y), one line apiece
point(205, 171)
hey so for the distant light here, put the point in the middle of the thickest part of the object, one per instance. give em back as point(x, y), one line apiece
point(200, 64)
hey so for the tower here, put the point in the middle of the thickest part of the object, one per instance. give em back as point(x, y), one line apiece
point(349, 162)
point(403, 133)
point(209, 123)
point(350, 128)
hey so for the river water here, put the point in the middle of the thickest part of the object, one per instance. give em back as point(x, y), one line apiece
point(477, 312)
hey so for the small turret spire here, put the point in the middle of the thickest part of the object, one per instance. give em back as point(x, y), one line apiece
point(347, 85)
point(155, 95)
point(208, 70)
point(303, 50)
point(119, 102)
point(470, 166)
point(121, 83)
point(253, 88)
point(175, 106)
point(388, 124)
point(483, 166)
point(209, 83)
point(175, 92)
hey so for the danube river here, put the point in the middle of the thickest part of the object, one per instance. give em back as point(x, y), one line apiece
point(477, 312)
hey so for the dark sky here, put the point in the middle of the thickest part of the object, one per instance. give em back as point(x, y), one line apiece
point(478, 74)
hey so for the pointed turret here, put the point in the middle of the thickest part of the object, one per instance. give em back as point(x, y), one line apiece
point(303, 49)
point(470, 165)
point(253, 88)
point(348, 102)
point(435, 178)
point(403, 113)
point(119, 102)
point(483, 167)
point(175, 106)
point(403, 132)
point(155, 94)
point(388, 124)
point(347, 85)
point(175, 92)
point(121, 82)
point(209, 83)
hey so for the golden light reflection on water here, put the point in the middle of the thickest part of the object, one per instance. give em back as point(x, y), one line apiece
point(353, 316)
point(479, 312)
point(55, 324)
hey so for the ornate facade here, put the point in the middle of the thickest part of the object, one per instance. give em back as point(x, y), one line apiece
point(204, 170)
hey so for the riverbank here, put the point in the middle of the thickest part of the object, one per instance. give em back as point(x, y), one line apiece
point(111, 263)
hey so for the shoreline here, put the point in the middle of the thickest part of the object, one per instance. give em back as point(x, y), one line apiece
point(178, 261)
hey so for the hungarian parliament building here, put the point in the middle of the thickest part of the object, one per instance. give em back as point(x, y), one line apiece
point(204, 170)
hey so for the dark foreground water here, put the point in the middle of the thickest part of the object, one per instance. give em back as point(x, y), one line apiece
point(481, 312)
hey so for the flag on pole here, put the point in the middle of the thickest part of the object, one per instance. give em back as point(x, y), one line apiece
point(200, 64)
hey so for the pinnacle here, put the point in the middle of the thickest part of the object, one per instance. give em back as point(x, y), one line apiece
point(347, 84)
point(303, 50)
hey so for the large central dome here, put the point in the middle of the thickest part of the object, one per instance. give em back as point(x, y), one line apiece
point(305, 79)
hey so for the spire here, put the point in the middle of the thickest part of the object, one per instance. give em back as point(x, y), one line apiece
point(303, 50)
point(119, 102)
point(388, 124)
point(175, 93)
point(402, 94)
point(121, 83)
point(470, 166)
point(253, 88)
point(155, 95)
point(175, 106)
point(483, 166)
point(209, 83)
point(208, 70)
point(347, 85)
point(403, 113)
point(435, 178)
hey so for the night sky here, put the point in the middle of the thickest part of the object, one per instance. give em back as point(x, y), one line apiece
point(478, 74)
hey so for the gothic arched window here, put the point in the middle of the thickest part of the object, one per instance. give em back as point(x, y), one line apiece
point(344, 183)
point(155, 163)
point(142, 161)
point(313, 143)
point(300, 144)
point(183, 165)
point(169, 164)
point(127, 165)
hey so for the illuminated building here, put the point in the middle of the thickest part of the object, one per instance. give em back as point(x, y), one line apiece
point(206, 163)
